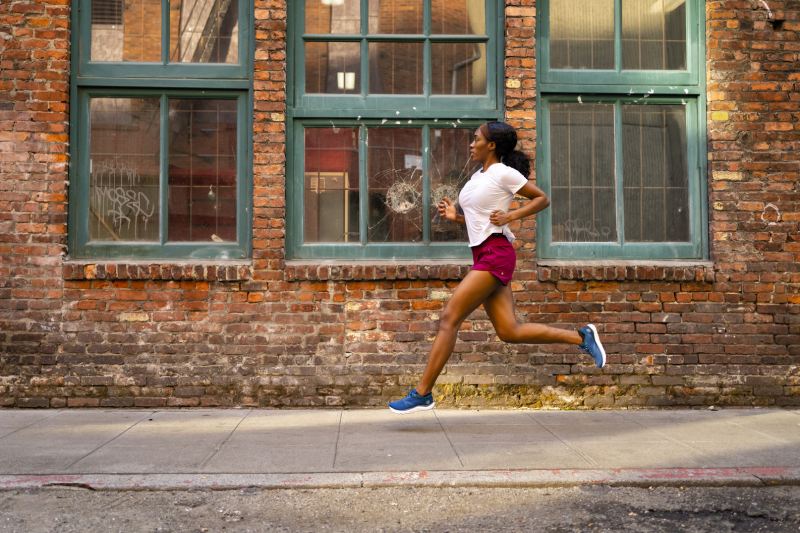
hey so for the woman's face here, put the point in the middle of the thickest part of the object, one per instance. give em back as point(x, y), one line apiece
point(480, 148)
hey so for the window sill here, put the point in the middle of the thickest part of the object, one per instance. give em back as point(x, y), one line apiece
point(375, 270)
point(150, 270)
point(698, 271)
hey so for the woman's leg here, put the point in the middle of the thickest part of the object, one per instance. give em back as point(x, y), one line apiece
point(473, 290)
point(500, 308)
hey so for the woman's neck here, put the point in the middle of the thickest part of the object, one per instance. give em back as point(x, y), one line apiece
point(491, 160)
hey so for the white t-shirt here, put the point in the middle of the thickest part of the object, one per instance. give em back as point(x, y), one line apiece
point(486, 192)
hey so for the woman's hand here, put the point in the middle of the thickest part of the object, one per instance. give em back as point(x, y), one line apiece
point(447, 210)
point(499, 218)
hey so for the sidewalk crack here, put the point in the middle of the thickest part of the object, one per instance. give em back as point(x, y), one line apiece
point(32, 424)
point(219, 446)
point(458, 456)
point(115, 437)
point(575, 450)
point(673, 440)
point(754, 430)
point(338, 438)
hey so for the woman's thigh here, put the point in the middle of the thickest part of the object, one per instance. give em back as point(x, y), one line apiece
point(473, 290)
point(500, 308)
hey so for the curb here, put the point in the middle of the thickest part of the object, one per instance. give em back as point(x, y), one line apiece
point(559, 478)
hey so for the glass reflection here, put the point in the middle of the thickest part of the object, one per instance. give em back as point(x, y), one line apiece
point(458, 17)
point(655, 170)
point(458, 68)
point(582, 172)
point(202, 170)
point(333, 68)
point(128, 30)
point(395, 68)
point(582, 34)
point(208, 31)
point(395, 16)
point(333, 16)
point(331, 198)
point(654, 34)
point(124, 169)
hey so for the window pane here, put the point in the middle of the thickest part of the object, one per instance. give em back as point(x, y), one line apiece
point(655, 173)
point(450, 169)
point(458, 68)
point(127, 30)
point(458, 17)
point(395, 16)
point(654, 34)
point(107, 12)
point(202, 170)
point(208, 31)
point(333, 68)
point(394, 167)
point(582, 172)
point(331, 198)
point(582, 34)
point(124, 169)
point(395, 68)
point(333, 16)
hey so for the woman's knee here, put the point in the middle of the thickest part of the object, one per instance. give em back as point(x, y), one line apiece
point(449, 321)
point(509, 333)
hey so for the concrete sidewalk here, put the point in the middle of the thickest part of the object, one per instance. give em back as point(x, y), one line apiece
point(232, 448)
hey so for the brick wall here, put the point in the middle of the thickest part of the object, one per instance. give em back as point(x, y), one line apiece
point(34, 94)
point(269, 333)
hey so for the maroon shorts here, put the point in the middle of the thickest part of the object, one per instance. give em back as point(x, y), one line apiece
point(497, 256)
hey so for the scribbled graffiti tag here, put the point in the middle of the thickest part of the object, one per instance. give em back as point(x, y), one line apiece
point(122, 200)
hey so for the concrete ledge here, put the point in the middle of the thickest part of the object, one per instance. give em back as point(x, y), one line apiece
point(123, 269)
point(376, 270)
point(635, 477)
point(183, 481)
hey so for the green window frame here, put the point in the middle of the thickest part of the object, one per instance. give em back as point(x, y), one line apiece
point(621, 89)
point(163, 81)
point(367, 112)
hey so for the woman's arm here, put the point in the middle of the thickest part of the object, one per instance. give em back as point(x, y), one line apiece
point(538, 202)
point(447, 210)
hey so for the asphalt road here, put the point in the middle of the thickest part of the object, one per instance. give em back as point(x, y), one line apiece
point(593, 508)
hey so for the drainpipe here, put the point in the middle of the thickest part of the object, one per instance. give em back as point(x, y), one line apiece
point(462, 64)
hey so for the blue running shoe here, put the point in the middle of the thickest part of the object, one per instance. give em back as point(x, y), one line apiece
point(411, 403)
point(591, 344)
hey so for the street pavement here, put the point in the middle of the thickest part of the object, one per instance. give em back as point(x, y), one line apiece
point(173, 449)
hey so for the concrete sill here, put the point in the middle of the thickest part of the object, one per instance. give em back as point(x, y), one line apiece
point(375, 270)
point(156, 270)
point(697, 271)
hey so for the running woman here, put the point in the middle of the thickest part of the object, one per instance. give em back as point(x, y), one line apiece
point(485, 200)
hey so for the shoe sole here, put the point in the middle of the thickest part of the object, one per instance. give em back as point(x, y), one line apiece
point(599, 344)
point(413, 409)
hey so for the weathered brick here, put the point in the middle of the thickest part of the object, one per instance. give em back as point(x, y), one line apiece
point(153, 334)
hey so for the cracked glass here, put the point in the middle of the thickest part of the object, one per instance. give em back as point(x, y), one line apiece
point(394, 166)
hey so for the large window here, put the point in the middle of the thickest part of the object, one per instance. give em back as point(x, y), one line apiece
point(621, 122)
point(386, 95)
point(160, 157)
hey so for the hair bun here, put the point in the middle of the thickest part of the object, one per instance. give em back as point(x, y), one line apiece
point(504, 136)
point(519, 161)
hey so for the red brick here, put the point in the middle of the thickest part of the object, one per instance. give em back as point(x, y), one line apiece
point(686, 333)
